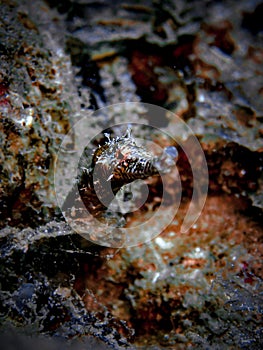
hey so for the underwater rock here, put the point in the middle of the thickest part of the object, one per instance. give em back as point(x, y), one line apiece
point(199, 59)
point(35, 109)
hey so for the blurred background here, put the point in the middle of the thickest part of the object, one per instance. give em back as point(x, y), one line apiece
point(62, 60)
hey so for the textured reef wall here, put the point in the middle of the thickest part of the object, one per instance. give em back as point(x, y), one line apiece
point(62, 60)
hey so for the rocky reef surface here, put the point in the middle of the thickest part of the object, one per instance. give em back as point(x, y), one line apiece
point(62, 60)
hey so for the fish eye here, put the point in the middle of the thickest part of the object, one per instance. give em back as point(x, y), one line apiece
point(171, 151)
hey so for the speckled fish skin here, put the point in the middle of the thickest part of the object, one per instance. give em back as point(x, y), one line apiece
point(118, 162)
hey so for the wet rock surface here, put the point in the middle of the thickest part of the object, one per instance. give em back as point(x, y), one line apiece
point(35, 113)
point(61, 60)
